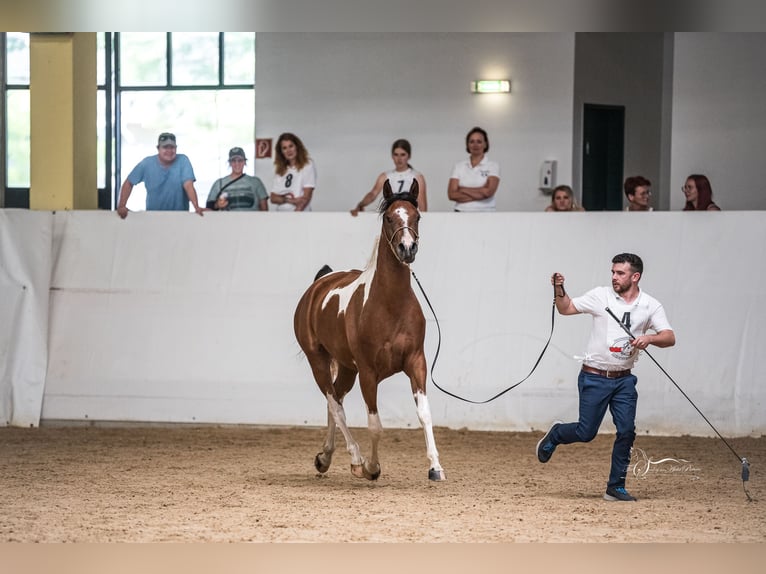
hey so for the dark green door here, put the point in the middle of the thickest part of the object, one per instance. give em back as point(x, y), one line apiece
point(603, 150)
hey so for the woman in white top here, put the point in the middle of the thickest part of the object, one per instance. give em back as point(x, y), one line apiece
point(474, 181)
point(294, 175)
point(400, 178)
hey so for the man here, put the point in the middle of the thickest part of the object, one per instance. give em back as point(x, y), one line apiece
point(637, 190)
point(168, 177)
point(605, 379)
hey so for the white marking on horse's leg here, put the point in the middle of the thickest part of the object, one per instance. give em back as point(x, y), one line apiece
point(339, 415)
point(424, 414)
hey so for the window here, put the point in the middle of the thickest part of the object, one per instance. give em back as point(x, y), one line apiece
point(198, 85)
point(14, 123)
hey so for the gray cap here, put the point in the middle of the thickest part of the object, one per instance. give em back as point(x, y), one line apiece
point(166, 137)
point(237, 152)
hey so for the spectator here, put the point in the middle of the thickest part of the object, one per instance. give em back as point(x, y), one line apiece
point(563, 199)
point(295, 175)
point(238, 191)
point(638, 191)
point(474, 181)
point(168, 177)
point(699, 194)
point(400, 178)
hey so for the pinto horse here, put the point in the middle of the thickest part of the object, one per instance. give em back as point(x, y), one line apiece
point(369, 322)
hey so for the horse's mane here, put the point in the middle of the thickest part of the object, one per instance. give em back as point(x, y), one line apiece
point(406, 196)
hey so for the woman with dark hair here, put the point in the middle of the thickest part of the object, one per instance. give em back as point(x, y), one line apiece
point(294, 175)
point(400, 178)
point(699, 194)
point(474, 181)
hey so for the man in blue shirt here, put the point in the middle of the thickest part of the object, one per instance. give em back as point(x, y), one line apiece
point(168, 177)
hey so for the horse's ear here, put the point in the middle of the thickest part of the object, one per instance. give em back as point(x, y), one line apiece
point(414, 188)
point(387, 191)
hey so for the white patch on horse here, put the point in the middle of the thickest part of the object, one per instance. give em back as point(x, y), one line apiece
point(365, 279)
point(407, 238)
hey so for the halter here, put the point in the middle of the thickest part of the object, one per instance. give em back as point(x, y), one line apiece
point(390, 240)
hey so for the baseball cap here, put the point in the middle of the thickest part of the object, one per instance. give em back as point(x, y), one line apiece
point(237, 152)
point(166, 137)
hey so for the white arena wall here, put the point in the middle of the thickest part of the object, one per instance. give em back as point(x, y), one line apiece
point(173, 318)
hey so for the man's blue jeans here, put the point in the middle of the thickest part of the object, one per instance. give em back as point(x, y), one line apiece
point(596, 394)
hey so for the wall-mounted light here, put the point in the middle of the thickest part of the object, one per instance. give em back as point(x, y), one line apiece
point(491, 86)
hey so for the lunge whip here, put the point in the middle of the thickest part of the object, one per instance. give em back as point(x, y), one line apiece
point(741, 459)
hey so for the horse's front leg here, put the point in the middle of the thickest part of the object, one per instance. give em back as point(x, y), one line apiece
point(416, 370)
point(436, 472)
point(370, 468)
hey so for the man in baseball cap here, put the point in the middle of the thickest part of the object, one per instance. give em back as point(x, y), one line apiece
point(168, 177)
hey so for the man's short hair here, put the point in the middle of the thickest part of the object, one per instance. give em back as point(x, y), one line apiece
point(633, 182)
point(632, 259)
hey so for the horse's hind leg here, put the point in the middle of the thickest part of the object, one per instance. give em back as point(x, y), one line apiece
point(344, 381)
point(323, 460)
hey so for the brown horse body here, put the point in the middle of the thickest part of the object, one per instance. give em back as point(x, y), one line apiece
point(369, 323)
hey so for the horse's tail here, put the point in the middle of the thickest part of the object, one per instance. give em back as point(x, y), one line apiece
point(323, 271)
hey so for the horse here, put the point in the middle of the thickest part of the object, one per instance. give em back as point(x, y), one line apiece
point(369, 322)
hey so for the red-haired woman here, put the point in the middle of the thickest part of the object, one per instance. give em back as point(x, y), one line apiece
point(699, 194)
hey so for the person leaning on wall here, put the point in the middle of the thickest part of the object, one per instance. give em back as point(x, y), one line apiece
point(699, 194)
point(294, 175)
point(168, 177)
point(562, 199)
point(400, 178)
point(473, 183)
point(238, 191)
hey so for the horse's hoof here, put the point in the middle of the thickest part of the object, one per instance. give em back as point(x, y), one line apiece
point(436, 475)
point(373, 474)
point(319, 465)
point(357, 470)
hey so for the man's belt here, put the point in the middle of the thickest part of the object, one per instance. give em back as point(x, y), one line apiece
point(607, 374)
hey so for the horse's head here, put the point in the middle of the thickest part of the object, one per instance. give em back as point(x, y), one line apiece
point(400, 221)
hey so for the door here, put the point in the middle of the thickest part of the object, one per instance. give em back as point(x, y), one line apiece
point(602, 153)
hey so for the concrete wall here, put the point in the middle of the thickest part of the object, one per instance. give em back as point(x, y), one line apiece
point(349, 96)
point(719, 119)
point(693, 103)
point(169, 317)
point(622, 69)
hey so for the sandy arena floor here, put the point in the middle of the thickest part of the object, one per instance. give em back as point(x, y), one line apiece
point(242, 484)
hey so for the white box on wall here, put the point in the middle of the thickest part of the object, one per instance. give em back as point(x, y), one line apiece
point(548, 175)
